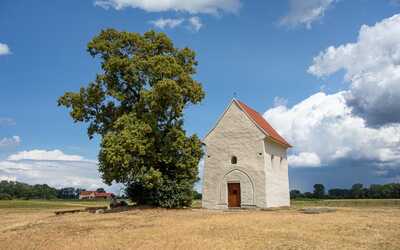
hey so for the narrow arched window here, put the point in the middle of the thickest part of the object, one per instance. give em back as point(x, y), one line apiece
point(234, 160)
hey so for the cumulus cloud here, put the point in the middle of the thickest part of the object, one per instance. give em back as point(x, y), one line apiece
point(193, 6)
point(44, 155)
point(8, 178)
point(372, 67)
point(355, 130)
point(10, 142)
point(305, 12)
point(304, 159)
point(4, 49)
point(323, 130)
point(195, 23)
point(167, 23)
point(54, 173)
point(280, 101)
point(54, 168)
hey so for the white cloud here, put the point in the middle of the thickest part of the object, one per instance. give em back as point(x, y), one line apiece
point(44, 155)
point(5, 121)
point(323, 127)
point(280, 101)
point(304, 159)
point(195, 23)
point(10, 142)
point(8, 178)
point(54, 168)
point(359, 127)
point(54, 173)
point(4, 49)
point(193, 6)
point(167, 23)
point(372, 67)
point(305, 12)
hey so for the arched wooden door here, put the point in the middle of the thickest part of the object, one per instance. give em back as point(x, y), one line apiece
point(233, 194)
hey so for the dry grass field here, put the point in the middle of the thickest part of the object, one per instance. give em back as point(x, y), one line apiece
point(355, 225)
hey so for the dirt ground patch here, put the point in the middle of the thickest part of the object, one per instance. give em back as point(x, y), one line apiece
point(347, 228)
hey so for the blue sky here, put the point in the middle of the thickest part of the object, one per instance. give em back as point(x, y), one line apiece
point(338, 107)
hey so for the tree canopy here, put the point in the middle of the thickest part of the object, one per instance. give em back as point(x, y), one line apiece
point(19, 190)
point(319, 191)
point(136, 106)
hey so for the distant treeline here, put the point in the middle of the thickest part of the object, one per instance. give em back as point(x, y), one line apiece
point(18, 190)
point(357, 191)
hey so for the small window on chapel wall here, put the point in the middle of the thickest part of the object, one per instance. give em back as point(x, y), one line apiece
point(234, 160)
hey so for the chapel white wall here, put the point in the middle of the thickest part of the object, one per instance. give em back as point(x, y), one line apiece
point(276, 175)
point(234, 135)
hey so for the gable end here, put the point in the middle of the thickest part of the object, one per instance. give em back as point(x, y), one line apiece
point(257, 120)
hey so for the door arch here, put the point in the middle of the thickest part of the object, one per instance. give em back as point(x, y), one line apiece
point(246, 187)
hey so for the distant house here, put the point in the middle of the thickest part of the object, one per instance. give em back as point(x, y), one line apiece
point(246, 162)
point(93, 195)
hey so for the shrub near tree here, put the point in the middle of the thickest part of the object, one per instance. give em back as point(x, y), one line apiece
point(339, 193)
point(4, 196)
point(295, 194)
point(136, 105)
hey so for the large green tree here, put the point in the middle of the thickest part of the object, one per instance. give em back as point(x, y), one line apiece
point(319, 191)
point(136, 105)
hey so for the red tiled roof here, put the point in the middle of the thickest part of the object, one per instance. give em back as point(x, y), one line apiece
point(262, 123)
point(102, 194)
point(86, 192)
